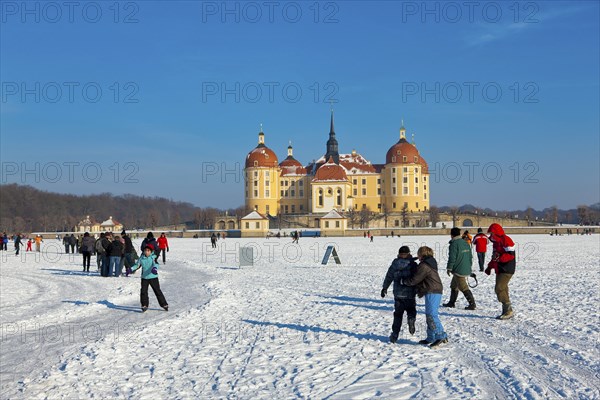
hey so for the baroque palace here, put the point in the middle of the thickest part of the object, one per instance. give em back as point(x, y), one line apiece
point(340, 182)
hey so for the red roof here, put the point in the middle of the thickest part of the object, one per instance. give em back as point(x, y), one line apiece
point(405, 153)
point(291, 166)
point(330, 171)
point(264, 157)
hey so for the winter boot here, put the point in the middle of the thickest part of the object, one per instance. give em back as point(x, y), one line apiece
point(507, 311)
point(411, 325)
point(469, 296)
point(438, 342)
point(452, 301)
point(393, 337)
point(425, 342)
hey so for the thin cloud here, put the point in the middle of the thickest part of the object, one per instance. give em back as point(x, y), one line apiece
point(490, 32)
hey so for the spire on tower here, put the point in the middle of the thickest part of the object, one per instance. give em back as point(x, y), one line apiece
point(413, 139)
point(402, 130)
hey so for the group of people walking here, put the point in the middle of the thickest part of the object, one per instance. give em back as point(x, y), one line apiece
point(411, 279)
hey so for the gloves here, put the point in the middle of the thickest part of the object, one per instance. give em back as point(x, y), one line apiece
point(493, 265)
point(154, 271)
point(448, 272)
point(128, 271)
point(167, 249)
point(383, 293)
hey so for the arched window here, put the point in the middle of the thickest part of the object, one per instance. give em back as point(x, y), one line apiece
point(320, 197)
point(339, 197)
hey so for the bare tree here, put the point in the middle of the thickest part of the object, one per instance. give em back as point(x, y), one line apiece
point(454, 211)
point(583, 213)
point(434, 214)
point(404, 214)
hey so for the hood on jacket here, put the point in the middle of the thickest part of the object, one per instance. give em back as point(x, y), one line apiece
point(496, 229)
point(431, 262)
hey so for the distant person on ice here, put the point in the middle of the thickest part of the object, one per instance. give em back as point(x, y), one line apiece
point(87, 248)
point(163, 246)
point(29, 242)
point(149, 277)
point(480, 241)
point(18, 243)
point(504, 263)
point(428, 284)
point(404, 296)
point(459, 264)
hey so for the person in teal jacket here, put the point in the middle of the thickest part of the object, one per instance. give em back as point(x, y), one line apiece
point(460, 260)
point(147, 262)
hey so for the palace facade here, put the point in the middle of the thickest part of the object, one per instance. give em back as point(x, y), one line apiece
point(336, 181)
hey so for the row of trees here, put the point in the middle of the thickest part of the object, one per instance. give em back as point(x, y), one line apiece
point(26, 209)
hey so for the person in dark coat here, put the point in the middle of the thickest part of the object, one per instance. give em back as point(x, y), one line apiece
point(18, 243)
point(72, 243)
point(129, 252)
point(87, 248)
point(404, 296)
point(66, 243)
point(152, 241)
point(428, 284)
point(114, 253)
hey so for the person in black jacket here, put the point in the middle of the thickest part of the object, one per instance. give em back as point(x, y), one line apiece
point(128, 252)
point(114, 253)
point(404, 296)
point(151, 240)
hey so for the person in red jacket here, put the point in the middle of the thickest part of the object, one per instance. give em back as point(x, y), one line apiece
point(504, 263)
point(163, 245)
point(480, 241)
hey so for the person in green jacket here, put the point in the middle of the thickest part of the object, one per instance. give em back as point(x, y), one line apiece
point(460, 260)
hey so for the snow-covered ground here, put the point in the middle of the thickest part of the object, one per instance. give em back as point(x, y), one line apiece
point(289, 327)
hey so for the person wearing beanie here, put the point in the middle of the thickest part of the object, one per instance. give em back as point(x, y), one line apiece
point(480, 241)
point(504, 263)
point(152, 241)
point(404, 296)
point(149, 266)
point(459, 264)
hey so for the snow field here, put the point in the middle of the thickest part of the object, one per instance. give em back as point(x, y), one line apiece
point(288, 327)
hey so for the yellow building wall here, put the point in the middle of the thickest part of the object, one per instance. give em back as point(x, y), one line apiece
point(405, 183)
point(330, 196)
point(366, 190)
point(262, 189)
point(294, 194)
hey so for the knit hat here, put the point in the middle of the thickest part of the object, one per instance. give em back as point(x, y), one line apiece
point(149, 246)
point(479, 230)
point(404, 250)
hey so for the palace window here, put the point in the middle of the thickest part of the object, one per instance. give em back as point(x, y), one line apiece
point(337, 224)
point(247, 225)
point(320, 197)
point(416, 159)
point(405, 179)
point(379, 191)
point(267, 193)
point(355, 192)
point(293, 193)
point(256, 193)
point(364, 181)
point(301, 183)
point(393, 205)
point(404, 158)
point(339, 197)
point(326, 224)
point(405, 190)
point(267, 208)
point(364, 192)
point(257, 225)
point(301, 193)
point(293, 208)
point(394, 191)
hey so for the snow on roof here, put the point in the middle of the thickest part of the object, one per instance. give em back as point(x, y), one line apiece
point(332, 215)
point(254, 215)
point(109, 222)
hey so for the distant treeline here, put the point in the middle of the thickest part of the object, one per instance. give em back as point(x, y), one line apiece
point(26, 209)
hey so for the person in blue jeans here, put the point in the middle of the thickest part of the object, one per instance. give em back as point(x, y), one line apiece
point(428, 284)
point(114, 252)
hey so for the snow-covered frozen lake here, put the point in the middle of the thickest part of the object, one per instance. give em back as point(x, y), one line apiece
point(289, 327)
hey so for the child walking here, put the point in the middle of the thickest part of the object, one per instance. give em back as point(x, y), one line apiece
point(428, 284)
point(404, 296)
point(149, 277)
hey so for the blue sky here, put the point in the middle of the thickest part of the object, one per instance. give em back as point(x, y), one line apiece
point(503, 98)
